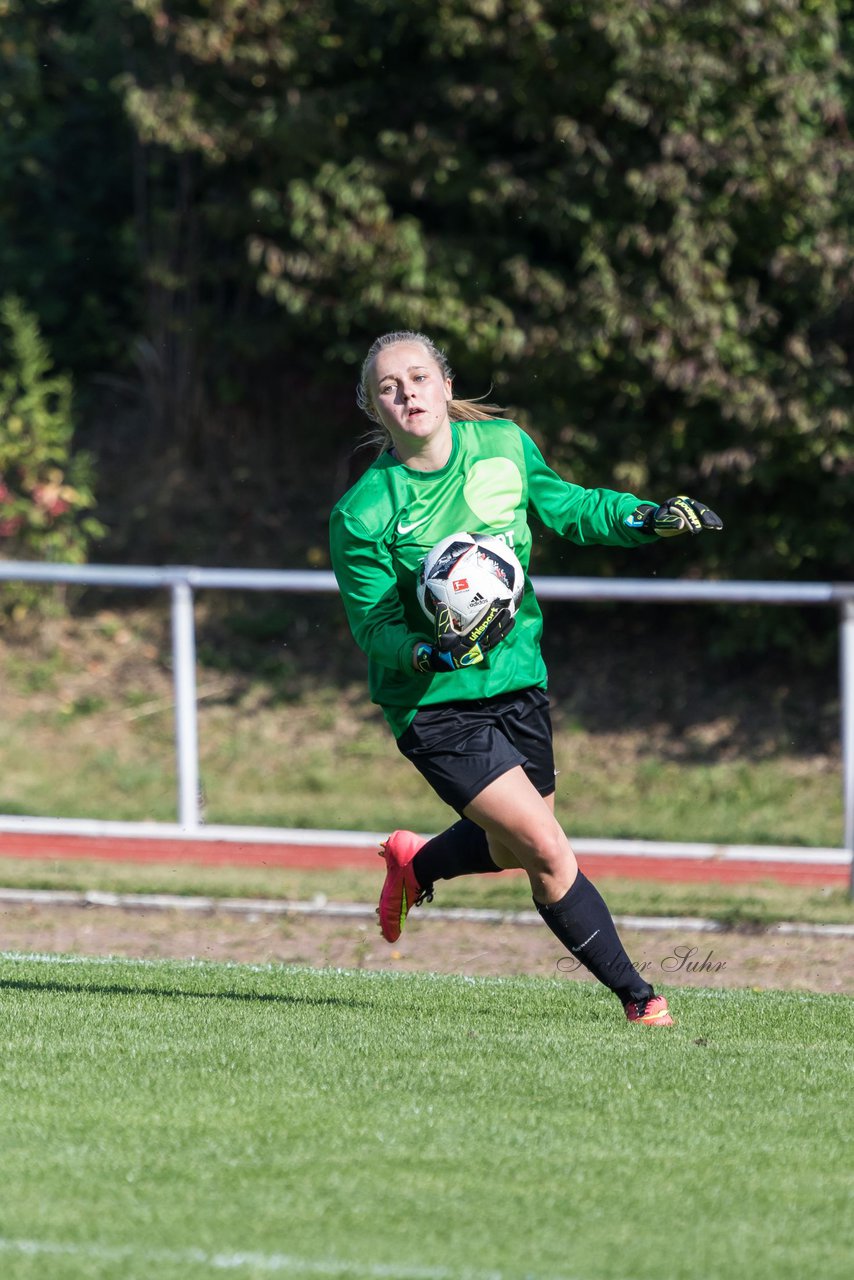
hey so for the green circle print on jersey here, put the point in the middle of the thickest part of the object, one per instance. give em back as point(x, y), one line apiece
point(493, 489)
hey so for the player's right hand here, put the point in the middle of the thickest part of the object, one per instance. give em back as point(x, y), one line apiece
point(452, 651)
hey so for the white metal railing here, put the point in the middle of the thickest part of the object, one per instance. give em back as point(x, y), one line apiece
point(182, 580)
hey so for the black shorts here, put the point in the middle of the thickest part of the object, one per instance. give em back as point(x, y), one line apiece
point(460, 747)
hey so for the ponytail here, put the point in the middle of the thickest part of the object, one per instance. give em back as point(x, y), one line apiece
point(473, 411)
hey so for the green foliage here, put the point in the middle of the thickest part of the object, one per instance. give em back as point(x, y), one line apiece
point(66, 155)
point(45, 486)
point(633, 219)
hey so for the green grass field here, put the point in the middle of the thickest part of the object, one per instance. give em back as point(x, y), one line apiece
point(188, 1120)
point(182, 1120)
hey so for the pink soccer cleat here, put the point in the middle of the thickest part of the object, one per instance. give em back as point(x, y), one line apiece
point(401, 891)
point(652, 1012)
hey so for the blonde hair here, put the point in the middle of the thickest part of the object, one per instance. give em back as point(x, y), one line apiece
point(458, 410)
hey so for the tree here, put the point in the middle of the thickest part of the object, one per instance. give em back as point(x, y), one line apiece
point(634, 219)
point(65, 177)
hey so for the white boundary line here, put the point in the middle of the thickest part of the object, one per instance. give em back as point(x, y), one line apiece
point(13, 825)
point(253, 907)
point(274, 1263)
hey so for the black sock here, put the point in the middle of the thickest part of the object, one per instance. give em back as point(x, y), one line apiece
point(583, 923)
point(462, 850)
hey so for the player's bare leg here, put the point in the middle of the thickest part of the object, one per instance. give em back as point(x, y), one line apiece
point(524, 832)
point(502, 855)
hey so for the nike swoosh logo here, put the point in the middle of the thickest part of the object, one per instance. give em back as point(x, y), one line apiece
point(407, 528)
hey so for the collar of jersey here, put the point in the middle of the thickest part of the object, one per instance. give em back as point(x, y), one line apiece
point(415, 474)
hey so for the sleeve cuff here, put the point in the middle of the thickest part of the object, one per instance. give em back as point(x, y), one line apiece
point(404, 656)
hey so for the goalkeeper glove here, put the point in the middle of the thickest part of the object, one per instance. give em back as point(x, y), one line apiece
point(676, 515)
point(452, 651)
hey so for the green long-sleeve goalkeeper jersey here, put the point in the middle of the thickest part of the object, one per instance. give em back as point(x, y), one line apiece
point(383, 527)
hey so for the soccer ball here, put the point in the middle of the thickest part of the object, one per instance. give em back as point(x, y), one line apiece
point(467, 572)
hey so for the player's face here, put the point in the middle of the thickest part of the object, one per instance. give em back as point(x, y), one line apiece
point(410, 394)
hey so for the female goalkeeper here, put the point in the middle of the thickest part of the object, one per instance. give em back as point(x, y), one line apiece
point(477, 728)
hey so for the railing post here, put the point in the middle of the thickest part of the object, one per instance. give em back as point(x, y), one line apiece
point(846, 659)
point(186, 732)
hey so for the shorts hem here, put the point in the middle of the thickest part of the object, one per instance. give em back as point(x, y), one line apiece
point(493, 776)
point(499, 773)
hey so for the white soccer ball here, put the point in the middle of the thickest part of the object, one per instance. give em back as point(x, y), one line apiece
point(467, 572)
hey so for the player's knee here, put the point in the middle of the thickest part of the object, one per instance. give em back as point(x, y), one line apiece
point(551, 852)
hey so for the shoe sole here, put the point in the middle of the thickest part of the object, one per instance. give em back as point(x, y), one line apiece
point(658, 1020)
point(396, 925)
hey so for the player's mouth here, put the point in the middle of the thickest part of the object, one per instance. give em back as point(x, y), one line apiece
point(414, 412)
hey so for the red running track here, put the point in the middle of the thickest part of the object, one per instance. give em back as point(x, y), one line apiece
point(323, 857)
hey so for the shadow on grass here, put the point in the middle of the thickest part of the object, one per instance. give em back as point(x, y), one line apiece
point(598, 1007)
point(175, 993)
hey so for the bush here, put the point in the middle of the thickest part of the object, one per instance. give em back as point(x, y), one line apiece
point(45, 487)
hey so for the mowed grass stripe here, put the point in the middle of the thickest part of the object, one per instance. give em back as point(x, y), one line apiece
point(427, 1126)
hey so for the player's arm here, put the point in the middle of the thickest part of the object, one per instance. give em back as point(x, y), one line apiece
point(606, 516)
point(581, 515)
point(369, 592)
